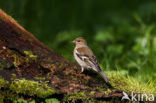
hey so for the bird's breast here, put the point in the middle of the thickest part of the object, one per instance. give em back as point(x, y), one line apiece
point(80, 62)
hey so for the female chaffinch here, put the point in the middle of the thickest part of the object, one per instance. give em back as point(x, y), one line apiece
point(85, 57)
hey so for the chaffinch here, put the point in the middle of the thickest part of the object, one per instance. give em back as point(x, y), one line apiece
point(85, 57)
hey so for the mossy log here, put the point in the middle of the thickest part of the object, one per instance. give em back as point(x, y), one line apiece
point(32, 71)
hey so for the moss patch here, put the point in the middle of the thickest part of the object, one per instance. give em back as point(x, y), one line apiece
point(31, 88)
point(3, 83)
point(12, 90)
point(80, 96)
point(129, 84)
point(30, 55)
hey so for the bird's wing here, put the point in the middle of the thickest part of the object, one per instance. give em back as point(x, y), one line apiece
point(86, 55)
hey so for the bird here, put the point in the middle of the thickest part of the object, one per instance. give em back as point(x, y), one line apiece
point(85, 57)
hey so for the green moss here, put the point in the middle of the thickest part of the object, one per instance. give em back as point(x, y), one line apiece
point(33, 101)
point(31, 88)
point(120, 83)
point(1, 101)
point(129, 84)
point(74, 78)
point(5, 94)
point(39, 78)
point(17, 60)
point(28, 59)
point(106, 91)
point(84, 96)
point(75, 96)
point(26, 87)
point(20, 101)
point(3, 83)
point(52, 100)
point(30, 56)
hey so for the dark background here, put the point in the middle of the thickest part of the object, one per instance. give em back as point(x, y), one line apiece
point(120, 32)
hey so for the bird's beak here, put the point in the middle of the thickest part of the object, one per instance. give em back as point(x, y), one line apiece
point(73, 41)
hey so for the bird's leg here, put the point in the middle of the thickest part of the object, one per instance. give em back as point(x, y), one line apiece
point(82, 69)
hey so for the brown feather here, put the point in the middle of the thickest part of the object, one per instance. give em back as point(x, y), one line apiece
point(86, 52)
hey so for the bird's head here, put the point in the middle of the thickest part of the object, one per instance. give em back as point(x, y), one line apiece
point(79, 41)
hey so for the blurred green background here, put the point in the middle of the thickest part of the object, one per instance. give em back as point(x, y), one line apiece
point(120, 32)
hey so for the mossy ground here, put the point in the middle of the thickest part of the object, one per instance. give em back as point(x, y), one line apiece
point(120, 83)
point(31, 88)
point(128, 84)
point(42, 90)
point(11, 91)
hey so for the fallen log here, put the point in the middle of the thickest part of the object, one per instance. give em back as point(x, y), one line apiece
point(32, 71)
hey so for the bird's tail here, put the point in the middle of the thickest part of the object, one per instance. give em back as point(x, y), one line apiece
point(104, 76)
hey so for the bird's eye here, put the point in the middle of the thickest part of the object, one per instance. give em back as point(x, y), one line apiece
point(78, 41)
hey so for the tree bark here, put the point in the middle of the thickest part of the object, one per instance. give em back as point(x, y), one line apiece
point(24, 56)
